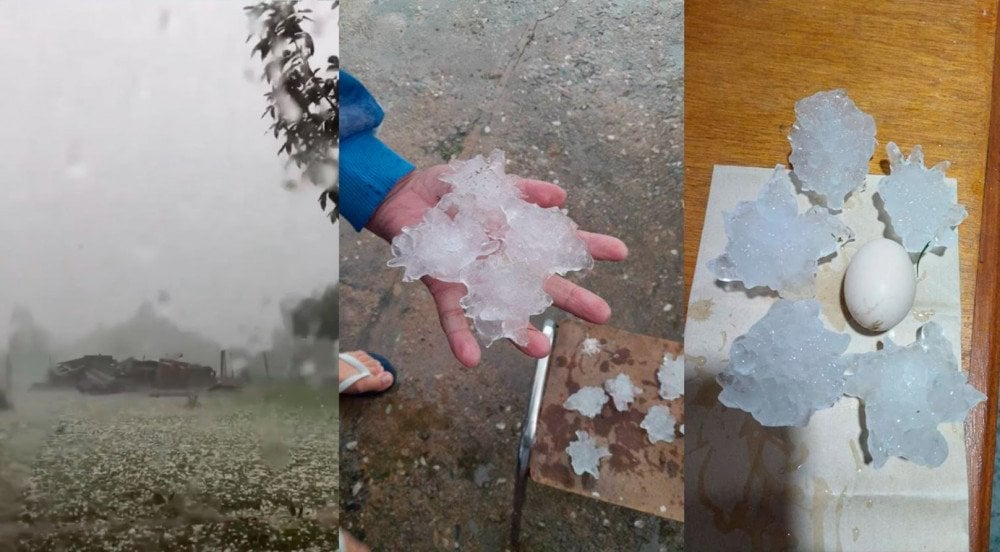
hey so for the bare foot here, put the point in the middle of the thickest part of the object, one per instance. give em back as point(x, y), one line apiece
point(380, 380)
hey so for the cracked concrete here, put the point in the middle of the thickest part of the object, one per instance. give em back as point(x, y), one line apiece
point(588, 95)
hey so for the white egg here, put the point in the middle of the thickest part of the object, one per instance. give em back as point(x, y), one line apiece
point(880, 285)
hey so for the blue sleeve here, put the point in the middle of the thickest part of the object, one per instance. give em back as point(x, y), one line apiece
point(368, 168)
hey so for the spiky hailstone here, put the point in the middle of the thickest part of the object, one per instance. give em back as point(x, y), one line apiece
point(588, 401)
point(671, 376)
point(787, 366)
point(920, 206)
point(832, 141)
point(585, 455)
point(907, 392)
point(659, 424)
point(622, 391)
point(770, 229)
point(484, 235)
point(590, 346)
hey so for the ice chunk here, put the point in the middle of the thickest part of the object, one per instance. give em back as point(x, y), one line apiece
point(907, 391)
point(919, 204)
point(832, 141)
point(671, 376)
point(502, 248)
point(787, 366)
point(590, 346)
point(588, 401)
point(585, 455)
point(622, 391)
point(771, 245)
point(659, 424)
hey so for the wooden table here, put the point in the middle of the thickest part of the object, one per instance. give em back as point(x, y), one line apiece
point(639, 475)
point(925, 70)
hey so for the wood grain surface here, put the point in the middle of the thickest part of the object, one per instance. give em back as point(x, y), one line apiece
point(639, 475)
point(923, 69)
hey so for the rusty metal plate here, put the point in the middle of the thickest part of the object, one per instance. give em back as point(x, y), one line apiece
point(638, 475)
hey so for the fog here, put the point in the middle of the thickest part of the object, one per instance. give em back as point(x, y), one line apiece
point(140, 183)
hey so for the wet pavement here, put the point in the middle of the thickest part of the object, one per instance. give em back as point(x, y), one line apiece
point(585, 95)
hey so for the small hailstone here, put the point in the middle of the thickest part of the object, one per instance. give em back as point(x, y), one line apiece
point(832, 141)
point(771, 245)
point(671, 376)
point(588, 401)
point(590, 346)
point(483, 234)
point(659, 424)
point(907, 391)
point(918, 202)
point(585, 455)
point(787, 366)
point(622, 391)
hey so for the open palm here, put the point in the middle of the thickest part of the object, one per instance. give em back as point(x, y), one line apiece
point(421, 190)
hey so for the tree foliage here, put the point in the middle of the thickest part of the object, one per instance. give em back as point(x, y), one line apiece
point(302, 102)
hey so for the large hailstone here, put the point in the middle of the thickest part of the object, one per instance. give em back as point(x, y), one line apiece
point(918, 202)
point(771, 244)
point(484, 235)
point(671, 376)
point(585, 455)
point(659, 424)
point(832, 141)
point(588, 401)
point(787, 366)
point(622, 391)
point(907, 392)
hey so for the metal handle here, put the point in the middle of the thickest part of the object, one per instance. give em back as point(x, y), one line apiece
point(528, 434)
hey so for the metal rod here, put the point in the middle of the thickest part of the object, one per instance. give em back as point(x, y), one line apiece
point(528, 436)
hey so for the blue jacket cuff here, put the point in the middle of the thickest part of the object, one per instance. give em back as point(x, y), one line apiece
point(368, 170)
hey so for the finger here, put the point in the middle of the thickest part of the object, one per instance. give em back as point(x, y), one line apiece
point(537, 346)
point(541, 193)
point(456, 328)
point(576, 300)
point(603, 247)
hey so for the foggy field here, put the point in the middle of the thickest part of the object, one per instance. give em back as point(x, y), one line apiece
point(252, 470)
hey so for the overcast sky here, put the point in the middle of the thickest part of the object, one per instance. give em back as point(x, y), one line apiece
point(133, 160)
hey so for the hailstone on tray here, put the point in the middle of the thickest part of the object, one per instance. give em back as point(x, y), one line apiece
point(787, 366)
point(659, 424)
point(484, 235)
point(920, 206)
point(671, 376)
point(585, 455)
point(832, 141)
point(907, 392)
point(622, 391)
point(771, 244)
point(588, 401)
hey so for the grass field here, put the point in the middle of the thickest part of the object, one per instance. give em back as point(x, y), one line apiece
point(251, 470)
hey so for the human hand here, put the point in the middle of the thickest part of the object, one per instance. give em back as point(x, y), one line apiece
point(421, 190)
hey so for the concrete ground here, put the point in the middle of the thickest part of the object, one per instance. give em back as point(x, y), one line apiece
point(585, 94)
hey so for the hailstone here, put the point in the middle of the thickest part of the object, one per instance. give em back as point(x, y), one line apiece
point(907, 392)
point(832, 141)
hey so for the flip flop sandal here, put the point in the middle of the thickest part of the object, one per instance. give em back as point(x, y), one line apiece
point(363, 372)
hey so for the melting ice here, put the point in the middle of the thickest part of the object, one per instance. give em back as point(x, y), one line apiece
point(585, 455)
point(622, 391)
point(918, 202)
point(671, 376)
point(484, 235)
point(907, 391)
point(832, 141)
point(659, 424)
point(787, 366)
point(588, 401)
point(771, 244)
